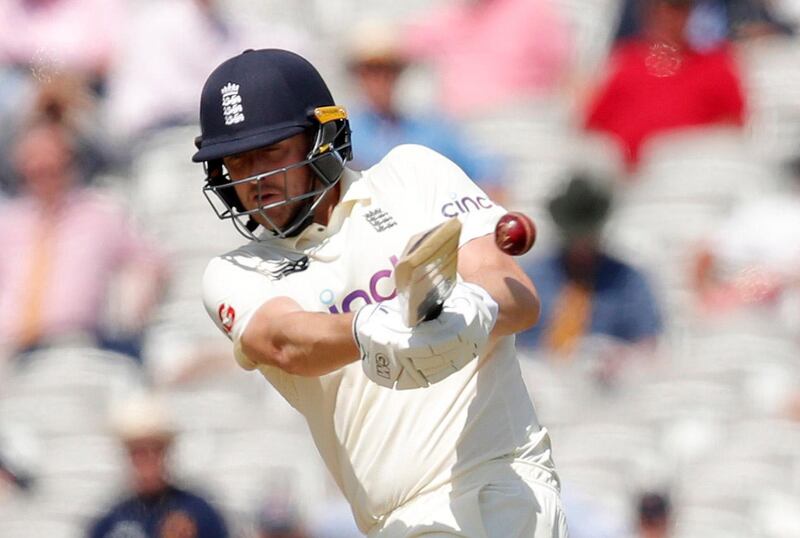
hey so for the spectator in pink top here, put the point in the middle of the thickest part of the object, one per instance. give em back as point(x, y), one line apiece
point(153, 82)
point(492, 52)
point(75, 35)
point(63, 245)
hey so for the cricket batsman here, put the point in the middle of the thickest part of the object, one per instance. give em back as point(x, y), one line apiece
point(427, 429)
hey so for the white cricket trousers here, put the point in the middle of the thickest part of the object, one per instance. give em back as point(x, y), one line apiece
point(500, 499)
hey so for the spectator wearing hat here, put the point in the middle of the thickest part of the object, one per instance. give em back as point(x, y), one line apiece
point(157, 508)
point(376, 63)
point(583, 289)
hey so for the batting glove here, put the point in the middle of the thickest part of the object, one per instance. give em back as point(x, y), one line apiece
point(400, 357)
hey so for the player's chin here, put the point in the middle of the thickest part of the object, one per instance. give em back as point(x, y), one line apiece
point(268, 223)
point(271, 219)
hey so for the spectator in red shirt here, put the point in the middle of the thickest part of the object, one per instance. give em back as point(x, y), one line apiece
point(658, 83)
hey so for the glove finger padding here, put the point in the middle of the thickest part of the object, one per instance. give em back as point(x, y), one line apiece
point(396, 356)
point(442, 346)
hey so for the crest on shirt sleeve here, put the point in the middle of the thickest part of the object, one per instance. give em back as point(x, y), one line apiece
point(227, 315)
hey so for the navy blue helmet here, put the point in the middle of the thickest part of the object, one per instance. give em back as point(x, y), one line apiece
point(257, 99)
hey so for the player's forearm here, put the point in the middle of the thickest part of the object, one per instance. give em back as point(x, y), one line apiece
point(299, 342)
point(516, 298)
point(482, 263)
point(313, 343)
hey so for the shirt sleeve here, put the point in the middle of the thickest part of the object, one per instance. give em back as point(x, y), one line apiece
point(232, 292)
point(444, 191)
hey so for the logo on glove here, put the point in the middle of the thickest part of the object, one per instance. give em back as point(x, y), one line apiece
point(382, 366)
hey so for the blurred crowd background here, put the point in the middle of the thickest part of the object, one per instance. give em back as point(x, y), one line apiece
point(656, 143)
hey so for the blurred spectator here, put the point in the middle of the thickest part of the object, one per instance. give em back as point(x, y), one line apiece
point(658, 83)
point(61, 35)
point(13, 477)
point(157, 508)
point(279, 519)
point(792, 410)
point(20, 457)
point(712, 21)
point(60, 98)
point(168, 50)
point(379, 124)
point(487, 53)
point(653, 511)
point(584, 290)
point(65, 98)
point(753, 257)
point(64, 245)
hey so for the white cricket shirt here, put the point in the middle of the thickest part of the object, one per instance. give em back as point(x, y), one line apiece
point(382, 446)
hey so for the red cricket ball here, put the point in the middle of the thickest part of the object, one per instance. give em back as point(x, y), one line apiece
point(514, 233)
